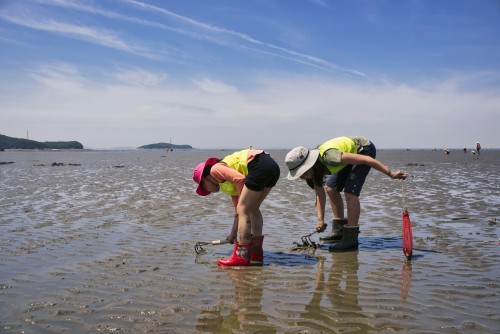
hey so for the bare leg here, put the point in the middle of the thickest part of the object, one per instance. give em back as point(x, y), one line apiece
point(353, 209)
point(257, 223)
point(250, 218)
point(336, 202)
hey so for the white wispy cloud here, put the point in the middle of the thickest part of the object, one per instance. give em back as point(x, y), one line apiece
point(192, 28)
point(96, 35)
point(138, 77)
point(214, 87)
point(287, 53)
point(84, 7)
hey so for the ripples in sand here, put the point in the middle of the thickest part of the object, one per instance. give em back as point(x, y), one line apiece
point(90, 247)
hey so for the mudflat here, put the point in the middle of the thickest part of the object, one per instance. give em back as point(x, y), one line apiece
point(103, 241)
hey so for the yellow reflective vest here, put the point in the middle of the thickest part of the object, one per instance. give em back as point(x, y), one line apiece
point(237, 161)
point(343, 144)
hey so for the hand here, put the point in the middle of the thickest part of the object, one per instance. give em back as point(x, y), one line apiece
point(321, 227)
point(398, 175)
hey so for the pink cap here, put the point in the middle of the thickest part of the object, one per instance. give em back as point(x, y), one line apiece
point(198, 174)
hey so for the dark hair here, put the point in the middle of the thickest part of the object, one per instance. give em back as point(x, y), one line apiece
point(319, 172)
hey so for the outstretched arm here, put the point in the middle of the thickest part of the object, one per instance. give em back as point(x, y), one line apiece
point(359, 159)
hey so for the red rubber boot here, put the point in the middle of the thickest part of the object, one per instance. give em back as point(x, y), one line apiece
point(240, 256)
point(256, 251)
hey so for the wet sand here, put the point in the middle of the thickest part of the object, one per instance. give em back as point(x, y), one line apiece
point(105, 243)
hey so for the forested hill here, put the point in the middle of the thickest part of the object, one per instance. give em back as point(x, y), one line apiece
point(166, 145)
point(26, 144)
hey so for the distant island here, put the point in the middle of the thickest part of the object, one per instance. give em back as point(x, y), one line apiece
point(166, 145)
point(7, 143)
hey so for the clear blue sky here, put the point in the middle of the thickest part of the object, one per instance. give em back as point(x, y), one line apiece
point(267, 73)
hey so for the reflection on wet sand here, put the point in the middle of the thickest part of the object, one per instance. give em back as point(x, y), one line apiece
point(405, 280)
point(246, 316)
point(339, 285)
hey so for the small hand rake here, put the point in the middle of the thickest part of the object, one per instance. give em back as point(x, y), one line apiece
point(198, 248)
point(307, 243)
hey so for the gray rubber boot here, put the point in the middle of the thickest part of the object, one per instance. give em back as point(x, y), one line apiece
point(337, 226)
point(349, 241)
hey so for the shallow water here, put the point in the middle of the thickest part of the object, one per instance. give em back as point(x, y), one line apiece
point(105, 243)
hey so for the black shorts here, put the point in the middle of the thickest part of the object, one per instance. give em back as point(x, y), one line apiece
point(263, 172)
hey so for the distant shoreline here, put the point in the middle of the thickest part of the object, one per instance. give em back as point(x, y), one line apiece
point(440, 150)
